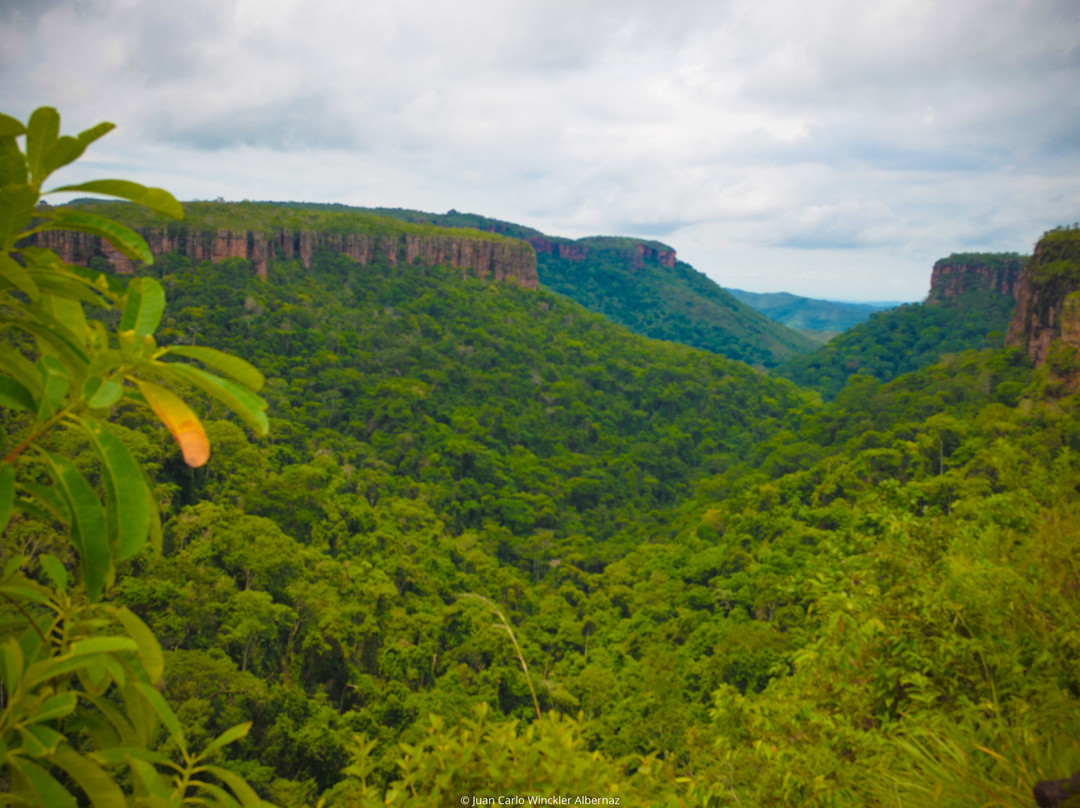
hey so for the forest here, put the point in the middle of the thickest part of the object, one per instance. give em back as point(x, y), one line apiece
point(381, 534)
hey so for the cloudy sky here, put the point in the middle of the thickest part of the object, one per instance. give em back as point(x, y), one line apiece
point(833, 149)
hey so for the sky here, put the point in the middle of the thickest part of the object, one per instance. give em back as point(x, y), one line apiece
point(832, 149)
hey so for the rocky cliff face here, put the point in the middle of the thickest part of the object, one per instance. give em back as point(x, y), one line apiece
point(576, 252)
point(962, 273)
point(513, 261)
point(1047, 314)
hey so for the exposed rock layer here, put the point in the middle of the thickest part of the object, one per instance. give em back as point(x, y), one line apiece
point(513, 261)
point(577, 252)
point(1048, 297)
point(959, 274)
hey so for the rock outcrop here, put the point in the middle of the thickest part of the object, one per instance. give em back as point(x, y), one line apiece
point(577, 252)
point(1047, 310)
point(962, 273)
point(500, 259)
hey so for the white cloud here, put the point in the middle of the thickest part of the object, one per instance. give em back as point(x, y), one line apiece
point(765, 133)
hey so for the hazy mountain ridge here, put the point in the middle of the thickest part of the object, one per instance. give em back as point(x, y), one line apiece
point(809, 314)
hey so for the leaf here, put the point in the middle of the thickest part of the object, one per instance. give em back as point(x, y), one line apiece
point(56, 571)
point(11, 665)
point(246, 404)
point(15, 274)
point(101, 645)
point(144, 306)
point(228, 364)
point(10, 127)
point(92, 779)
point(87, 523)
point(55, 383)
point(184, 425)
point(154, 198)
point(229, 736)
point(12, 162)
point(57, 706)
point(104, 394)
point(127, 515)
point(7, 493)
point(164, 712)
point(16, 210)
point(20, 368)
point(149, 781)
point(49, 792)
point(149, 649)
point(42, 131)
point(15, 396)
point(124, 239)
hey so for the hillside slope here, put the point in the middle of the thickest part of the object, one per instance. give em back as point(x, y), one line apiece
point(643, 286)
point(823, 318)
point(969, 307)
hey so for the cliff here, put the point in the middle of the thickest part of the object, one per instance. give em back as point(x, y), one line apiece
point(216, 231)
point(962, 273)
point(1047, 313)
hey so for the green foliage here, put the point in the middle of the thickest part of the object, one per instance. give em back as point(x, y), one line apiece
point(81, 712)
point(901, 340)
point(671, 303)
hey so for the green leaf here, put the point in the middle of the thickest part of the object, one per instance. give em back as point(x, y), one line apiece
point(88, 136)
point(221, 797)
point(229, 736)
point(56, 571)
point(127, 514)
point(7, 493)
point(14, 564)
point(12, 163)
point(87, 524)
point(58, 706)
point(124, 239)
point(42, 131)
point(228, 364)
point(11, 665)
point(54, 279)
point(16, 592)
point(15, 274)
point(15, 396)
point(16, 210)
point(55, 382)
point(20, 368)
point(154, 198)
point(246, 404)
point(149, 649)
point(144, 306)
point(10, 127)
point(102, 394)
point(92, 779)
point(164, 712)
point(101, 645)
point(48, 791)
point(149, 782)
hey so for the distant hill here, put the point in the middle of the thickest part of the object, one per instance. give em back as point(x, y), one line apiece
point(969, 307)
point(819, 319)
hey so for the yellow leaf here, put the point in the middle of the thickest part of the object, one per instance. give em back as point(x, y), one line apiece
point(184, 425)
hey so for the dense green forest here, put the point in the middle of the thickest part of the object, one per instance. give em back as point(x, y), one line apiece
point(903, 339)
point(675, 303)
point(495, 545)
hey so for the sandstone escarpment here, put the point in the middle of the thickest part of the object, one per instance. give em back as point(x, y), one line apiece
point(576, 251)
point(1047, 313)
point(963, 273)
point(500, 260)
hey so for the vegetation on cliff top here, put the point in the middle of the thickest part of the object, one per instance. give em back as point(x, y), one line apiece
point(266, 218)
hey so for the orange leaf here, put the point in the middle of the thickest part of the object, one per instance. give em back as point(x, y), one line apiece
point(185, 425)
